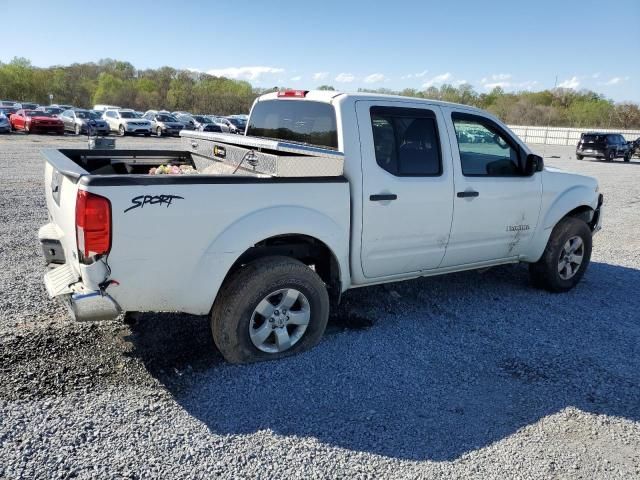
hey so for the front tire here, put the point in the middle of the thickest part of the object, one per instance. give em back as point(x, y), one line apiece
point(158, 132)
point(579, 157)
point(78, 129)
point(272, 308)
point(627, 157)
point(611, 156)
point(566, 257)
point(121, 130)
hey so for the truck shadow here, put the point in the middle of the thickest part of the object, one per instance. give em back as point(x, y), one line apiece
point(449, 365)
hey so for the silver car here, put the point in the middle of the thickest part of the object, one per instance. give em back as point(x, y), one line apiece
point(81, 121)
point(164, 124)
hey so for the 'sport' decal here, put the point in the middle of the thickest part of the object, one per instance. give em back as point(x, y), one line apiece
point(141, 200)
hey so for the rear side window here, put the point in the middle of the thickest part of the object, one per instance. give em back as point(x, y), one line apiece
point(312, 123)
point(406, 141)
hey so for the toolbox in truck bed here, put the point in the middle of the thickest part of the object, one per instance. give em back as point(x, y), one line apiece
point(221, 152)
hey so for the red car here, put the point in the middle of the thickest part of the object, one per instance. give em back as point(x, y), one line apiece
point(33, 121)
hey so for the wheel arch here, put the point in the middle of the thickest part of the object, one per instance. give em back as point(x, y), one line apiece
point(579, 202)
point(309, 250)
point(302, 233)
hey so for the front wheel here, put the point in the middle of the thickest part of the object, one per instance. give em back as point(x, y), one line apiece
point(566, 257)
point(121, 130)
point(627, 157)
point(78, 129)
point(272, 308)
point(611, 156)
point(579, 157)
point(158, 132)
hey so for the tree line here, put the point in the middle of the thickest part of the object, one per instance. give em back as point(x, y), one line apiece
point(559, 107)
point(116, 82)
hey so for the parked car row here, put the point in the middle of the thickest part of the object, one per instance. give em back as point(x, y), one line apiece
point(105, 119)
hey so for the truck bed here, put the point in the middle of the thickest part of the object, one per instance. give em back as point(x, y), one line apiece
point(174, 237)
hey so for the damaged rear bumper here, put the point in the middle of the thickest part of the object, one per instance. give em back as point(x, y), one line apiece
point(84, 304)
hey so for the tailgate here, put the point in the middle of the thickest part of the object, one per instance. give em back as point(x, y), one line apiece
point(58, 237)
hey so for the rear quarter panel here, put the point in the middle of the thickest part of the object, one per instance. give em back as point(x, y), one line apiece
point(173, 256)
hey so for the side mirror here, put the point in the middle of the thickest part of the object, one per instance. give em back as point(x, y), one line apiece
point(534, 163)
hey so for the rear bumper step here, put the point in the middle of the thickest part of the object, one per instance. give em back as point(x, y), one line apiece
point(84, 305)
point(92, 307)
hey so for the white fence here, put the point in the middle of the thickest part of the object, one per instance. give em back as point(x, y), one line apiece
point(563, 136)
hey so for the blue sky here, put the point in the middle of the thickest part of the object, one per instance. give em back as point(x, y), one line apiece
point(517, 45)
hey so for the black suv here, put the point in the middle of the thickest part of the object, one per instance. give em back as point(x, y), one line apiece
point(608, 146)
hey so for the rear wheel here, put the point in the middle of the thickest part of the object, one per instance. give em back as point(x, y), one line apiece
point(566, 257)
point(272, 308)
point(611, 156)
point(627, 157)
point(579, 157)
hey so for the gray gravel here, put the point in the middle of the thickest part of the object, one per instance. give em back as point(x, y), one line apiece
point(467, 375)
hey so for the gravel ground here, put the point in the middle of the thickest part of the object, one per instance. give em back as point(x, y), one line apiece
point(466, 375)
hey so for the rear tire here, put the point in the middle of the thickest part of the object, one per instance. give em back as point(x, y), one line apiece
point(627, 157)
point(560, 269)
point(611, 156)
point(236, 321)
point(579, 157)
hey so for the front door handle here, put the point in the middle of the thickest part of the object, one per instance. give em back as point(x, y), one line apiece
point(468, 194)
point(383, 196)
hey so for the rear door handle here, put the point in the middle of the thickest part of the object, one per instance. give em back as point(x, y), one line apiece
point(383, 196)
point(467, 194)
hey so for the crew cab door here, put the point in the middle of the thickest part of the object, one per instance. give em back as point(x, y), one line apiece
point(496, 205)
point(407, 187)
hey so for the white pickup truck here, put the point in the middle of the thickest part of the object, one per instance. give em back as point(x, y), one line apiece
point(410, 188)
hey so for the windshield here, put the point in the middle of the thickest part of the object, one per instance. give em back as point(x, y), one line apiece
point(166, 118)
point(36, 113)
point(95, 116)
point(83, 114)
point(127, 115)
point(294, 120)
point(201, 119)
point(54, 110)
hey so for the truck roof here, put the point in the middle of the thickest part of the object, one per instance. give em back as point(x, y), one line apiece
point(327, 96)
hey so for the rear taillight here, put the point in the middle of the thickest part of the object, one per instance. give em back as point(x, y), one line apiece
point(93, 225)
point(293, 93)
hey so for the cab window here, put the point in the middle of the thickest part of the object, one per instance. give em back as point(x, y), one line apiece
point(406, 141)
point(485, 149)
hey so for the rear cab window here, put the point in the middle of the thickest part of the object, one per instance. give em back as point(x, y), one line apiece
point(299, 121)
